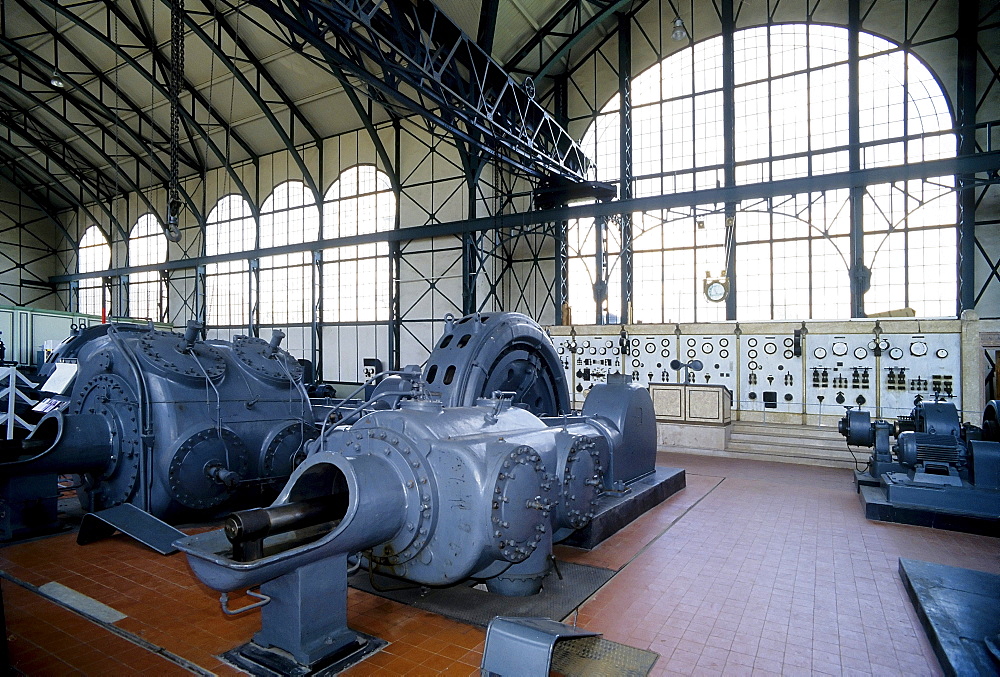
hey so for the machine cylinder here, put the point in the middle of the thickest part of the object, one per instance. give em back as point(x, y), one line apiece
point(74, 444)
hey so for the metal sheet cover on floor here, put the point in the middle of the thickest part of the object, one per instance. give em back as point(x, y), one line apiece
point(465, 603)
point(959, 611)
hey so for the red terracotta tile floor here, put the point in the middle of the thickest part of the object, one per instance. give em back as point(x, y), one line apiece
point(754, 568)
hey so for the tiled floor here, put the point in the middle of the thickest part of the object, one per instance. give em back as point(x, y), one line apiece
point(755, 568)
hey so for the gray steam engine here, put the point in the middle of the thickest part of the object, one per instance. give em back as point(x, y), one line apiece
point(178, 426)
point(432, 493)
point(937, 465)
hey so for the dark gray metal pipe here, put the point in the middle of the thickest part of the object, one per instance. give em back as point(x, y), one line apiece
point(75, 443)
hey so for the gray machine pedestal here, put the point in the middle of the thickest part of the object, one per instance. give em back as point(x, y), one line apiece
point(878, 508)
point(304, 625)
point(616, 511)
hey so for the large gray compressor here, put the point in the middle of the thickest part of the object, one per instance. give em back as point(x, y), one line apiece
point(429, 493)
point(176, 425)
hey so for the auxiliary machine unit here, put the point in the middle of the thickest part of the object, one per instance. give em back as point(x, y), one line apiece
point(937, 466)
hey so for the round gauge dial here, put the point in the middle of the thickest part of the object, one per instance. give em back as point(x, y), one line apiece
point(724, 342)
point(941, 353)
point(723, 353)
point(691, 342)
point(636, 342)
point(707, 348)
point(691, 353)
point(751, 342)
point(752, 366)
point(650, 348)
point(896, 353)
point(819, 353)
point(770, 348)
point(839, 348)
point(716, 291)
point(789, 354)
point(860, 353)
point(918, 348)
point(789, 342)
point(752, 354)
point(665, 343)
point(585, 344)
point(610, 344)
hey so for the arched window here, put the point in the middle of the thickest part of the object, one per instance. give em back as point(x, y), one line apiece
point(147, 293)
point(288, 216)
point(356, 278)
point(94, 255)
point(791, 120)
point(229, 229)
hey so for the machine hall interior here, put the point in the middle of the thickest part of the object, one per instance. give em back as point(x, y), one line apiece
point(500, 338)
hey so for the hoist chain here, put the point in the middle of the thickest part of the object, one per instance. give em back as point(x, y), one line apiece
point(176, 76)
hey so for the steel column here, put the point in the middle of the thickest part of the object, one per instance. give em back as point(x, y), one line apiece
point(860, 275)
point(561, 282)
point(965, 123)
point(729, 148)
point(625, 159)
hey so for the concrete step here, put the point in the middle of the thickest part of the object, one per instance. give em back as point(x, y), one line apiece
point(812, 445)
point(784, 430)
point(800, 441)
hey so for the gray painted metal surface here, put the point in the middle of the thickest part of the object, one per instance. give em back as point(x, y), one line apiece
point(131, 521)
point(174, 424)
point(522, 647)
point(432, 494)
point(938, 465)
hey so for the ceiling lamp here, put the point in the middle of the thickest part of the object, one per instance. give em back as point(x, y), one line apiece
point(56, 80)
point(679, 33)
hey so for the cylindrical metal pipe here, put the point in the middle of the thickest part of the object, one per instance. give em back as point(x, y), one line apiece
point(261, 522)
point(76, 443)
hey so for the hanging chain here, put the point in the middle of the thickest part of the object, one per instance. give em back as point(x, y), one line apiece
point(176, 75)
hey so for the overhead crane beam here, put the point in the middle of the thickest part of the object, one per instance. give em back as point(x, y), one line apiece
point(431, 67)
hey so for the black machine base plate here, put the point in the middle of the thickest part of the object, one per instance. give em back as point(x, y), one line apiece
point(864, 479)
point(262, 662)
point(878, 508)
point(615, 511)
point(958, 609)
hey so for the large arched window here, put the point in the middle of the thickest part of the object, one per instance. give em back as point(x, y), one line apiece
point(147, 293)
point(94, 255)
point(288, 216)
point(356, 278)
point(791, 120)
point(229, 229)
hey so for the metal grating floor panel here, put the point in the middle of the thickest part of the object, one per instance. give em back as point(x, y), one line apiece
point(596, 656)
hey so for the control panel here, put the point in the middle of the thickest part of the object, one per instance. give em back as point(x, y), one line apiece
point(812, 370)
point(771, 373)
point(918, 365)
point(717, 355)
point(840, 372)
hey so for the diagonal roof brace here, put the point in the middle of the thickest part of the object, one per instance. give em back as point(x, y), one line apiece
point(420, 47)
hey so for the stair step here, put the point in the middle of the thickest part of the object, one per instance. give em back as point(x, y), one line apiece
point(789, 450)
point(802, 441)
point(777, 430)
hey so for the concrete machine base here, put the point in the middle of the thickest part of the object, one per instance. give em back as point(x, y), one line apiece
point(616, 511)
